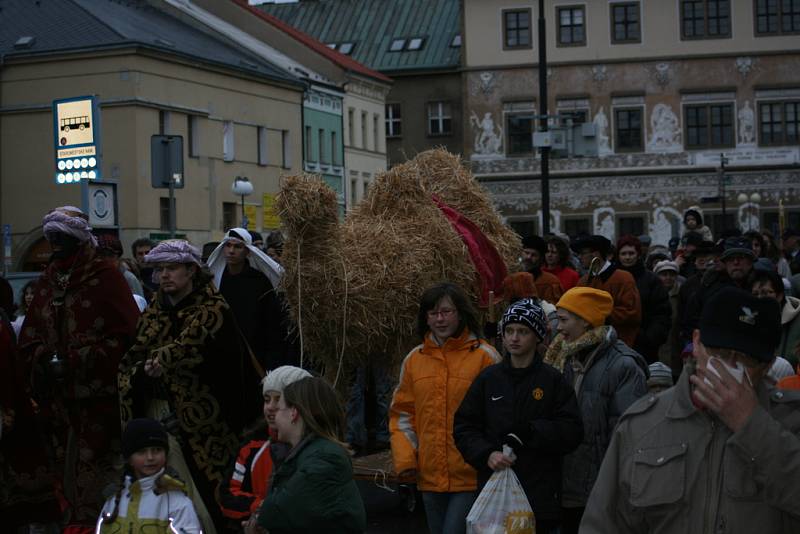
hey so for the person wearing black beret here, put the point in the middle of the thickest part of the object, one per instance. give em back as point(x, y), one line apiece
point(626, 317)
point(736, 263)
point(719, 451)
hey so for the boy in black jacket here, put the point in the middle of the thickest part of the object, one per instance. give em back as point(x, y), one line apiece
point(526, 404)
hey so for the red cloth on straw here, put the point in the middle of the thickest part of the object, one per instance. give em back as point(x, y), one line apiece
point(488, 263)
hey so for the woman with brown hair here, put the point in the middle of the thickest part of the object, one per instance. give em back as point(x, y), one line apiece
point(557, 262)
point(313, 489)
point(434, 378)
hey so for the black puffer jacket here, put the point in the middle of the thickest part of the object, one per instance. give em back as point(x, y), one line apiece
point(656, 312)
point(538, 406)
point(609, 379)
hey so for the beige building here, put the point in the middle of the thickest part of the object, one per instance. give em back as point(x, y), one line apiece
point(362, 91)
point(238, 114)
point(666, 91)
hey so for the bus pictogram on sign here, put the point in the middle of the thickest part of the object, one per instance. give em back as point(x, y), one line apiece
point(75, 123)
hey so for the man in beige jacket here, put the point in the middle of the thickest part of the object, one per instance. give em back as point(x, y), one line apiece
point(717, 453)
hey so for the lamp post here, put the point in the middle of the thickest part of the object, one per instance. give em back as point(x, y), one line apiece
point(545, 152)
point(753, 198)
point(243, 188)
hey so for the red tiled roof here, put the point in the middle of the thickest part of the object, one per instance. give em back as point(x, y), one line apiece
point(340, 59)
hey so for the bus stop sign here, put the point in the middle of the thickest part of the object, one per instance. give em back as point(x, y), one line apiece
point(76, 134)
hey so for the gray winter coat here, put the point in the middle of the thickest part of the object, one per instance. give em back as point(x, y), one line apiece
point(672, 469)
point(611, 378)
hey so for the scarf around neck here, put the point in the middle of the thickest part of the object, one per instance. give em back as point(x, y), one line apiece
point(560, 351)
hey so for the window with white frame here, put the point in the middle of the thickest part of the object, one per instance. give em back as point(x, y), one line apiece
point(440, 119)
point(394, 120)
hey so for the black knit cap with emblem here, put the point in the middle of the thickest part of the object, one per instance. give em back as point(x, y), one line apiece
point(735, 319)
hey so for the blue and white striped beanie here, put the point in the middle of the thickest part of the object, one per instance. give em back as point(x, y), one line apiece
point(527, 312)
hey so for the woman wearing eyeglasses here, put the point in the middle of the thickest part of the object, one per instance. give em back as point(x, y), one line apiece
point(434, 378)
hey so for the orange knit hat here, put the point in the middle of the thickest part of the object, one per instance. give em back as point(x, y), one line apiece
point(591, 305)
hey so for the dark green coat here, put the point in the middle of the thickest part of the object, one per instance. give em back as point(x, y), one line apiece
point(313, 491)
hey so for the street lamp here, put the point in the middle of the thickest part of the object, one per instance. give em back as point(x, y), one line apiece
point(754, 199)
point(243, 188)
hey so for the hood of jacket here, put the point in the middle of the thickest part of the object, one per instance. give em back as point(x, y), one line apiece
point(790, 310)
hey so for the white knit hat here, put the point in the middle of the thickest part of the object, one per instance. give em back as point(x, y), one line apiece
point(278, 379)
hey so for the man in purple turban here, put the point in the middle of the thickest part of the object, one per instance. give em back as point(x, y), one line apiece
point(79, 324)
point(189, 368)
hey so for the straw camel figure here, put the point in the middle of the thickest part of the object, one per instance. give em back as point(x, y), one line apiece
point(353, 287)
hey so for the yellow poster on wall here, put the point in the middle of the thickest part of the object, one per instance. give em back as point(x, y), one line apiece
point(271, 219)
point(251, 212)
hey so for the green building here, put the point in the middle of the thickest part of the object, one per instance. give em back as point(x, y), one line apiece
point(323, 149)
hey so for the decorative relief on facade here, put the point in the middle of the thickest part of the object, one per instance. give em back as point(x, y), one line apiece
point(666, 225)
point(603, 219)
point(599, 74)
point(670, 193)
point(665, 130)
point(601, 131)
point(748, 216)
point(747, 125)
point(661, 74)
point(612, 162)
point(744, 65)
point(487, 82)
point(555, 220)
point(488, 137)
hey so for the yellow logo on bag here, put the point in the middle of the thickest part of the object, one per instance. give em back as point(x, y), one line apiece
point(538, 393)
point(520, 523)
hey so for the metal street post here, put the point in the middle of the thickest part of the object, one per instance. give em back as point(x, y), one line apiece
point(722, 161)
point(543, 126)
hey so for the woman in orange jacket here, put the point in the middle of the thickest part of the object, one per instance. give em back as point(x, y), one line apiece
point(434, 378)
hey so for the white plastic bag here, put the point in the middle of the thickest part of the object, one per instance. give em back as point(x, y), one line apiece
point(502, 506)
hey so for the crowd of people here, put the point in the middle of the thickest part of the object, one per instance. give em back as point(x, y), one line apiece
point(640, 389)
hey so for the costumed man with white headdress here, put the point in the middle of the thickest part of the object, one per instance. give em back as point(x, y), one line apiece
point(190, 369)
point(80, 323)
point(248, 279)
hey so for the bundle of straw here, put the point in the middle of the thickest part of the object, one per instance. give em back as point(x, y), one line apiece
point(353, 289)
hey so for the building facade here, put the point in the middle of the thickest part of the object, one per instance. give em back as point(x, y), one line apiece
point(153, 74)
point(657, 106)
point(340, 89)
point(415, 42)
